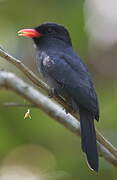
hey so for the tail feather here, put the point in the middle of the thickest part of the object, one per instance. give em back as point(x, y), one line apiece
point(88, 138)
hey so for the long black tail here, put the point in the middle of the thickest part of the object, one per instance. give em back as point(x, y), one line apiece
point(88, 138)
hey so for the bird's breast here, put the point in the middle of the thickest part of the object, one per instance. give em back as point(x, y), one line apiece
point(48, 62)
point(45, 65)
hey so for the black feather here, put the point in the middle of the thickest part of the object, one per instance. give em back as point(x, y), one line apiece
point(62, 68)
point(88, 138)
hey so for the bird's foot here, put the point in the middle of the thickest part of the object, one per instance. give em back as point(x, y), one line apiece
point(51, 93)
point(54, 92)
point(68, 109)
point(72, 107)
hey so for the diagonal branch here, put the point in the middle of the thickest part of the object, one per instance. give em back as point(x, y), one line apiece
point(12, 82)
point(108, 146)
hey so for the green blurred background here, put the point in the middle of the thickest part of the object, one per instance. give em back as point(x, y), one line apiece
point(41, 146)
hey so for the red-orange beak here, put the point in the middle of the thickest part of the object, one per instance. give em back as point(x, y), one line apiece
point(29, 33)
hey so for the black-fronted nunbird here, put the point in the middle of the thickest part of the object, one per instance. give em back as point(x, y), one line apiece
point(67, 74)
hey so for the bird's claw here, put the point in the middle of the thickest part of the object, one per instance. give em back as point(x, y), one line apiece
point(52, 93)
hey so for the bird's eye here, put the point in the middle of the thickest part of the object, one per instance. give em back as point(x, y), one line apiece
point(49, 30)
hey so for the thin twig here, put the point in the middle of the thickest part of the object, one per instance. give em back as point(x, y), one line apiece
point(42, 85)
point(12, 82)
point(14, 104)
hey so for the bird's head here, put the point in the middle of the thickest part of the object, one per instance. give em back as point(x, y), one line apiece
point(51, 30)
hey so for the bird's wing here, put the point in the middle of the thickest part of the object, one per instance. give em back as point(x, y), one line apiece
point(72, 74)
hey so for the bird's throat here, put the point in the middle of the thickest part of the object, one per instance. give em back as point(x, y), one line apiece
point(50, 43)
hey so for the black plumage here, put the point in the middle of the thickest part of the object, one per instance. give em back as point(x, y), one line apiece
point(64, 71)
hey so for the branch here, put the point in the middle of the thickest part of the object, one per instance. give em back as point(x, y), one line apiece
point(29, 74)
point(12, 82)
point(13, 104)
point(100, 139)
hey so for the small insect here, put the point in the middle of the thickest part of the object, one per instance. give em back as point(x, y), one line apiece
point(27, 114)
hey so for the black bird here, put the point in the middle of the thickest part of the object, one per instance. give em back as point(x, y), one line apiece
point(67, 74)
